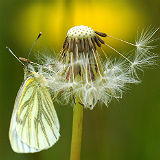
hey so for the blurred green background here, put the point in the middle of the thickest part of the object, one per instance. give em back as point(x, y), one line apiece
point(128, 129)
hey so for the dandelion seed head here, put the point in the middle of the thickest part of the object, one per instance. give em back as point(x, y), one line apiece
point(82, 73)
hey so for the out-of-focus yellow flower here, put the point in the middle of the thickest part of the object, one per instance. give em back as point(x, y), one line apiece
point(53, 19)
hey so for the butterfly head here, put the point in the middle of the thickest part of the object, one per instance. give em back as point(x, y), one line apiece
point(28, 70)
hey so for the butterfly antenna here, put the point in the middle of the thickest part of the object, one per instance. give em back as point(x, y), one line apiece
point(14, 55)
point(34, 44)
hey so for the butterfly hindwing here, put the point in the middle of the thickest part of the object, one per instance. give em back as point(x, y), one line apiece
point(34, 124)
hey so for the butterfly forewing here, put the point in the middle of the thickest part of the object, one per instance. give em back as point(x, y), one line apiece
point(34, 124)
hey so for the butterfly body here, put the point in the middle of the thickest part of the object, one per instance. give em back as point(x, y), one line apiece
point(34, 123)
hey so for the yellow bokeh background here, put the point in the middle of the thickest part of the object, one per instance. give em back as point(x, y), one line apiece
point(128, 129)
point(54, 19)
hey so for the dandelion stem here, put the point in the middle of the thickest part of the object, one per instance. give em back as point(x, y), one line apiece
point(76, 130)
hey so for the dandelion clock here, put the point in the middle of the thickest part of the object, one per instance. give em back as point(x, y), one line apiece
point(82, 77)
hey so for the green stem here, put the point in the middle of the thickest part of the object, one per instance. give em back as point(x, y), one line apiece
point(76, 131)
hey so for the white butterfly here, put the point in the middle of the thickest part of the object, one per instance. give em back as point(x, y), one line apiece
point(34, 123)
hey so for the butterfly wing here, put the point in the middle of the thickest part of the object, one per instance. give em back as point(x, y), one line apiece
point(34, 123)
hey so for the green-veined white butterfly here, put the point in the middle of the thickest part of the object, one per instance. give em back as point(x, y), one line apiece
point(34, 124)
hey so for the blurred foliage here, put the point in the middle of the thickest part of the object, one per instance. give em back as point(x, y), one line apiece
point(128, 129)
